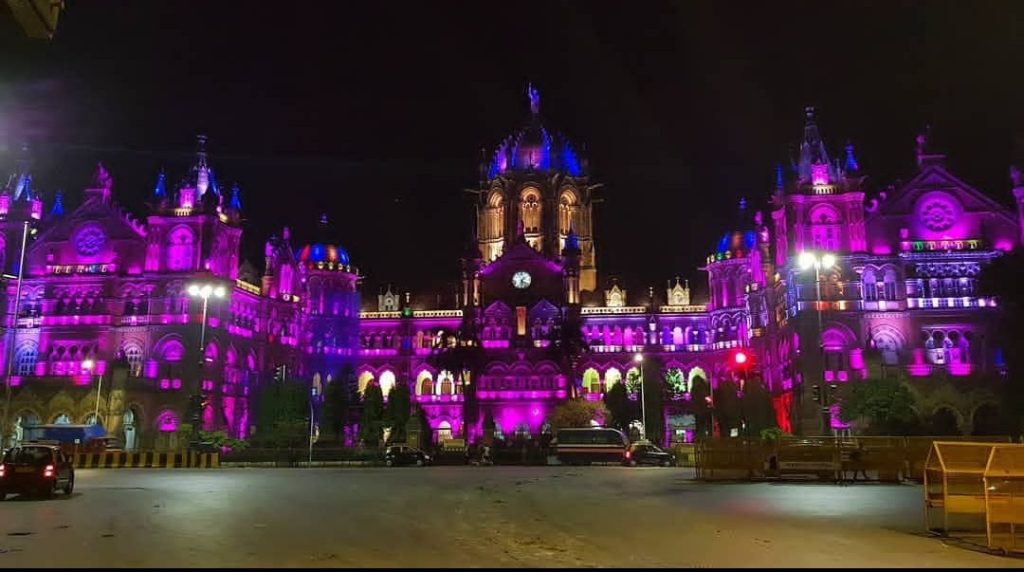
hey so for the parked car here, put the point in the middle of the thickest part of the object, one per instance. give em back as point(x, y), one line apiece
point(401, 455)
point(647, 453)
point(36, 469)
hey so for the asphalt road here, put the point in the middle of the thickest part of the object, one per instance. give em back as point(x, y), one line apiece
point(468, 517)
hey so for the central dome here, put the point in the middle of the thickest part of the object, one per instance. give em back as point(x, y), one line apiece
point(322, 253)
point(534, 148)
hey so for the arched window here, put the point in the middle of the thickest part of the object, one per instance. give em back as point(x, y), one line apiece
point(611, 377)
point(424, 383)
point(365, 379)
point(133, 353)
point(444, 431)
point(567, 207)
point(825, 223)
point(25, 360)
point(167, 421)
point(447, 382)
point(180, 249)
point(870, 285)
point(62, 419)
point(173, 351)
point(889, 286)
point(531, 210)
point(387, 382)
point(591, 381)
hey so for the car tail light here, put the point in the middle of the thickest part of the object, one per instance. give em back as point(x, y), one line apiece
point(3, 470)
point(628, 454)
point(48, 471)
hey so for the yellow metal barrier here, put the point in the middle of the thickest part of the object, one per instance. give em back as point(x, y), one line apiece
point(954, 481)
point(1004, 497)
point(146, 459)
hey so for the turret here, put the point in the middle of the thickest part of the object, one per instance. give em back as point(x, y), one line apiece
point(1017, 178)
point(571, 267)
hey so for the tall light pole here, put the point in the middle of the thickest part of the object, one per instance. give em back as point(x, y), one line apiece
point(14, 333)
point(806, 261)
point(203, 291)
point(87, 366)
point(313, 394)
point(639, 359)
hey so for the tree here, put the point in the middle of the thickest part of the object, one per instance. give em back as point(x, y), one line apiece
point(459, 352)
point(675, 382)
point(283, 413)
point(489, 427)
point(883, 406)
point(621, 409)
point(372, 419)
point(727, 407)
point(337, 397)
point(700, 397)
point(577, 413)
point(756, 407)
point(397, 413)
point(654, 401)
point(1002, 279)
point(568, 344)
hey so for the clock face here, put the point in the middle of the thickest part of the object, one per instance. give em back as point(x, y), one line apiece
point(521, 280)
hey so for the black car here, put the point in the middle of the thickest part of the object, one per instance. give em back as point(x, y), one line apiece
point(402, 455)
point(36, 469)
point(642, 453)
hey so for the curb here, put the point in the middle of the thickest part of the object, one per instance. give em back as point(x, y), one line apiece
point(301, 464)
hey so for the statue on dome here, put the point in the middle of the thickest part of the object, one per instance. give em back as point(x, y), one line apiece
point(534, 96)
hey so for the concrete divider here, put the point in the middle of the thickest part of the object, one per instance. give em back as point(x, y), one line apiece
point(146, 459)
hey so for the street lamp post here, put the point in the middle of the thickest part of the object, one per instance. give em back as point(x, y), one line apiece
point(14, 333)
point(203, 291)
point(313, 394)
point(639, 359)
point(806, 261)
point(87, 366)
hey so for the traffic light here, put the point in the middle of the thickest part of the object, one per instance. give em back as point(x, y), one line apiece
point(280, 373)
point(816, 393)
point(740, 358)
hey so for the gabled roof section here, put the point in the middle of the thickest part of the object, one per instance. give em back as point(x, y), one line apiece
point(935, 177)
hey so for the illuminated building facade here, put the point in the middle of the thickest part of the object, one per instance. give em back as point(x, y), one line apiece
point(902, 291)
point(105, 296)
point(900, 288)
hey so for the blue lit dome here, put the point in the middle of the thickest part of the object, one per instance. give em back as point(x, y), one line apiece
point(535, 148)
point(323, 254)
point(737, 243)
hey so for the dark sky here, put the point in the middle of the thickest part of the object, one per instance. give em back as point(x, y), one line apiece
point(376, 111)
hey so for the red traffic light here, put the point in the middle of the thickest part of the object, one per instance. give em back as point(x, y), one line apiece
point(740, 358)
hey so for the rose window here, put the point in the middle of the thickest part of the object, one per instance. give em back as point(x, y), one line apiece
point(90, 240)
point(937, 215)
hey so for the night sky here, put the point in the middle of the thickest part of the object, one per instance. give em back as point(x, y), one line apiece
point(375, 112)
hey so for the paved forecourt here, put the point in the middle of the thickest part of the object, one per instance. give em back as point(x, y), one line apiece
point(468, 516)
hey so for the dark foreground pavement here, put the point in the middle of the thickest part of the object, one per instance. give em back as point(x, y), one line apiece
point(467, 516)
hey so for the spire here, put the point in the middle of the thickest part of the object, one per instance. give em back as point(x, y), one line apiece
point(236, 198)
point(58, 205)
point(780, 181)
point(201, 169)
point(23, 188)
point(851, 161)
point(101, 184)
point(812, 149)
point(213, 182)
point(534, 96)
point(160, 189)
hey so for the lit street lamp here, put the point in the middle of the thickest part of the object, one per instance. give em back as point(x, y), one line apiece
point(203, 291)
point(639, 359)
point(806, 261)
point(313, 394)
point(87, 366)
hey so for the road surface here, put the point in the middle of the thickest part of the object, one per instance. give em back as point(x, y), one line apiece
point(468, 517)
